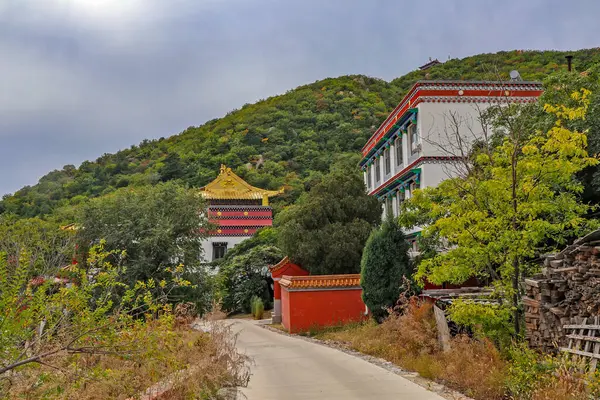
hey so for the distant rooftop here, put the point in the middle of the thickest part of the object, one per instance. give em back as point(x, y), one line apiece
point(430, 64)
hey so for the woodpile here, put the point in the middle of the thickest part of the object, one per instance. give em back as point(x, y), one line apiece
point(567, 292)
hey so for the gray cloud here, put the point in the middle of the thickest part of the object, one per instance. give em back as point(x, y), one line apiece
point(79, 78)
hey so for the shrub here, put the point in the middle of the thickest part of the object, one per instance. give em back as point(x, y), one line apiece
point(384, 264)
point(257, 307)
point(245, 275)
point(491, 321)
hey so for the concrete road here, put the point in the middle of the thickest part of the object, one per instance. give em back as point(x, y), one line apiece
point(288, 368)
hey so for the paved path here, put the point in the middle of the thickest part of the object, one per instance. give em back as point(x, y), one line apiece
point(288, 368)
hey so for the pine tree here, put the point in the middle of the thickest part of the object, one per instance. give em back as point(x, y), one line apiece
point(384, 262)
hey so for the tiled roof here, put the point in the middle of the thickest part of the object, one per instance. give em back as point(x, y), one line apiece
point(285, 261)
point(320, 281)
point(229, 186)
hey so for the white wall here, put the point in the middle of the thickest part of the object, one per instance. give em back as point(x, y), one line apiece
point(207, 245)
point(436, 128)
point(433, 174)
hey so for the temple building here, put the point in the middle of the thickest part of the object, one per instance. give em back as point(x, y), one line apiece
point(237, 209)
point(418, 144)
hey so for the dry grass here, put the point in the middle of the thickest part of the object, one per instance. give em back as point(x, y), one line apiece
point(189, 364)
point(410, 341)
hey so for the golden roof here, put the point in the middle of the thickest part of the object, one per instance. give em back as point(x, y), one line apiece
point(230, 186)
point(320, 281)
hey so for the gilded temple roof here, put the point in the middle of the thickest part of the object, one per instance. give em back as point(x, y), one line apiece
point(229, 186)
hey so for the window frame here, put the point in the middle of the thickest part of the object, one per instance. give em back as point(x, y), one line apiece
point(217, 248)
point(378, 169)
point(387, 162)
point(399, 151)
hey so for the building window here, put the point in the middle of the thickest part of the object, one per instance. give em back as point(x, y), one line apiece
point(219, 250)
point(369, 168)
point(386, 162)
point(398, 146)
point(378, 170)
point(415, 140)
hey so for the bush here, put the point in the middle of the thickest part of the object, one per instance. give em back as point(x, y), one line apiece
point(257, 307)
point(491, 321)
point(384, 264)
point(246, 275)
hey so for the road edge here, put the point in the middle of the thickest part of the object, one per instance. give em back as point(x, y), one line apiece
point(438, 388)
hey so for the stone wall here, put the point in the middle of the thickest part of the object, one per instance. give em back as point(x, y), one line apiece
point(566, 292)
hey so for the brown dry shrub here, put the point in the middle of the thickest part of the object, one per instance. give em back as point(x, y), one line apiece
point(475, 368)
point(566, 384)
point(183, 363)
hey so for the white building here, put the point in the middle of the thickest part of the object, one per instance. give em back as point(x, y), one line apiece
point(416, 146)
point(236, 209)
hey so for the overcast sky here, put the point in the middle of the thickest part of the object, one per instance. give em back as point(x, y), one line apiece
point(79, 78)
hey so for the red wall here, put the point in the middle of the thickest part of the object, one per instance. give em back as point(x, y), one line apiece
point(305, 309)
point(285, 309)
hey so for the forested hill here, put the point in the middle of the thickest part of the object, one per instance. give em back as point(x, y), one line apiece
point(284, 140)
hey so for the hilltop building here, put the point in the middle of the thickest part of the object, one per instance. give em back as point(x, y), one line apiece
point(238, 210)
point(416, 147)
point(431, 63)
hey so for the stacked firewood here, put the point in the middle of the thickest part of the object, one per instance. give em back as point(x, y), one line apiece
point(566, 292)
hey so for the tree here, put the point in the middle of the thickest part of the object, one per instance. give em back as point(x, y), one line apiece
point(159, 227)
point(49, 248)
point(326, 230)
point(384, 264)
point(74, 337)
point(518, 198)
point(172, 168)
point(246, 275)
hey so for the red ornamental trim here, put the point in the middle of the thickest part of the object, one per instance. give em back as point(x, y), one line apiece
point(246, 222)
point(234, 232)
point(240, 217)
point(482, 90)
point(418, 161)
point(323, 282)
point(235, 208)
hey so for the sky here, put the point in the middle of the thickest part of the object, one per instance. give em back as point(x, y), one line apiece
point(80, 78)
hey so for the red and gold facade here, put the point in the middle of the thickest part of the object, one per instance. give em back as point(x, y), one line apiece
point(237, 209)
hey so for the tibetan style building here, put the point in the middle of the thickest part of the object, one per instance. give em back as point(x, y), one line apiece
point(415, 147)
point(237, 208)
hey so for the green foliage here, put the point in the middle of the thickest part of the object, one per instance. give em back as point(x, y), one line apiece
point(384, 263)
point(244, 275)
point(527, 371)
point(49, 248)
point(38, 322)
point(492, 321)
point(257, 307)
point(326, 230)
point(159, 227)
point(284, 140)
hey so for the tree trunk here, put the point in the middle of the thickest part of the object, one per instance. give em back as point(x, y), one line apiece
point(516, 270)
point(515, 285)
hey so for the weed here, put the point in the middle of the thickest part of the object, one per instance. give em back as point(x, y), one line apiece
point(257, 307)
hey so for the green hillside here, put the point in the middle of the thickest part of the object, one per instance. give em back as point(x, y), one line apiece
point(288, 139)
